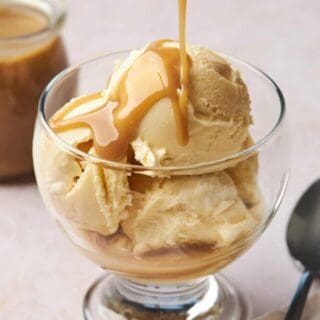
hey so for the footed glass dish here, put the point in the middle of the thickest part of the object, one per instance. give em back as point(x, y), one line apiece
point(101, 205)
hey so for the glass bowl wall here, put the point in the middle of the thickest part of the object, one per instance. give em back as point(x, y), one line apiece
point(54, 159)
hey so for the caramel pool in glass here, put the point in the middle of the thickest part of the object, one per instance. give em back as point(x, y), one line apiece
point(30, 55)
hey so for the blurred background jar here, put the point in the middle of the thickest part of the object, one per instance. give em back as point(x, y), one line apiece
point(31, 54)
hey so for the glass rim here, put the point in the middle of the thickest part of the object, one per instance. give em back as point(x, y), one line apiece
point(165, 169)
point(58, 7)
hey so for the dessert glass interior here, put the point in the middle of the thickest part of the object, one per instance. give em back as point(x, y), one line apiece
point(175, 282)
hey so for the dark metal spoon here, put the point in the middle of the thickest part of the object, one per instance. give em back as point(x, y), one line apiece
point(303, 240)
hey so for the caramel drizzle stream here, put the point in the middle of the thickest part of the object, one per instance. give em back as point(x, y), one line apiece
point(184, 74)
point(160, 72)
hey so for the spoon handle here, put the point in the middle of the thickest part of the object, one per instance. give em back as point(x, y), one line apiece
point(299, 299)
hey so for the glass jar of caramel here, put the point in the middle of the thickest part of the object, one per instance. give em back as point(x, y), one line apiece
point(31, 54)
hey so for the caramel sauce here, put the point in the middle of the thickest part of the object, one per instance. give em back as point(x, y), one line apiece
point(184, 74)
point(25, 70)
point(160, 72)
point(18, 21)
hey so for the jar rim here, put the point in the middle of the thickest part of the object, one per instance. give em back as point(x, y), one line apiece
point(55, 10)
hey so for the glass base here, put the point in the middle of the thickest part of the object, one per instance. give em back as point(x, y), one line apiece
point(210, 298)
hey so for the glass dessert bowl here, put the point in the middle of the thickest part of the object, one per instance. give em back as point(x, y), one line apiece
point(162, 230)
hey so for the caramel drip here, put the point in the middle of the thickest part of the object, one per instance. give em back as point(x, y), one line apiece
point(184, 74)
point(160, 72)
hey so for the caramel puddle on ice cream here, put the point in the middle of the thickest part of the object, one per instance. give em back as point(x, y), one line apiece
point(160, 72)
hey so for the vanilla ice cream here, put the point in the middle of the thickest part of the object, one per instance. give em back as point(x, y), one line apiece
point(218, 113)
point(188, 210)
point(155, 213)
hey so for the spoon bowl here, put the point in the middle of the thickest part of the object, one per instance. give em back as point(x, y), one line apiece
point(303, 240)
point(303, 233)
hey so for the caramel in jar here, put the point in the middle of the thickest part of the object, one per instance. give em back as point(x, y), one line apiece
point(31, 54)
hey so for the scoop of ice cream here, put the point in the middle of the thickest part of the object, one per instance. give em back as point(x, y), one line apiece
point(218, 117)
point(89, 196)
point(245, 176)
point(190, 210)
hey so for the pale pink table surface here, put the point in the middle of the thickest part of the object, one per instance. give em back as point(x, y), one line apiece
point(41, 275)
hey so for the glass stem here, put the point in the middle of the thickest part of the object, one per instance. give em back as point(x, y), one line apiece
point(164, 296)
